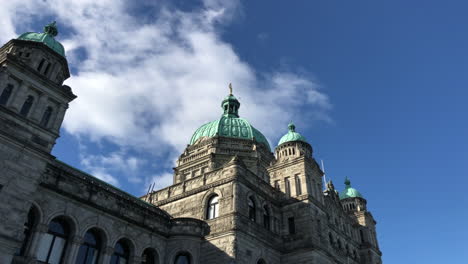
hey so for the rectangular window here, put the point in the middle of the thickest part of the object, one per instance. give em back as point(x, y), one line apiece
point(291, 226)
point(298, 185)
point(277, 185)
point(287, 186)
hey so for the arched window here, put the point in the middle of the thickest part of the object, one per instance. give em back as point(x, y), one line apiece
point(90, 249)
point(53, 244)
point(28, 231)
point(6, 94)
point(183, 258)
point(46, 116)
point(266, 217)
point(213, 207)
point(252, 210)
point(121, 253)
point(330, 238)
point(150, 256)
point(298, 185)
point(27, 105)
point(261, 261)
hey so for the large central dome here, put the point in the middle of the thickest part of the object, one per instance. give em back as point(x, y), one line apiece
point(230, 125)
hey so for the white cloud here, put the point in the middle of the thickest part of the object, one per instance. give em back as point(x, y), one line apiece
point(148, 85)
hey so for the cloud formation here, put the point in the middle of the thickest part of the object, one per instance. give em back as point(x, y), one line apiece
point(147, 81)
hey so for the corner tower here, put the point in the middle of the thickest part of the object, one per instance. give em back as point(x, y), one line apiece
point(356, 206)
point(33, 101)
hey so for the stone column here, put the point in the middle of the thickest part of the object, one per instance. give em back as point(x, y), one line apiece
point(59, 117)
point(38, 108)
point(72, 249)
point(106, 255)
point(18, 96)
point(39, 231)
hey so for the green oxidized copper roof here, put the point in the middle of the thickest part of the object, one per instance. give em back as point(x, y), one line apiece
point(230, 125)
point(292, 135)
point(48, 38)
point(349, 192)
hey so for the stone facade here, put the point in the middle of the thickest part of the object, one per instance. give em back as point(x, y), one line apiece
point(232, 201)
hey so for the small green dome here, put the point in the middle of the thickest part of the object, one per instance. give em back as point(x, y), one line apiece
point(292, 135)
point(230, 125)
point(349, 192)
point(50, 31)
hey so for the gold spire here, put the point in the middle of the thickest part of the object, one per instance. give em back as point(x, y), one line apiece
point(230, 89)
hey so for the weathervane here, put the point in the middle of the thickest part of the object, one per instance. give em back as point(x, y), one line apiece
point(230, 88)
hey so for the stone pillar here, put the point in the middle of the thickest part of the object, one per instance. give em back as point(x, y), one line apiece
point(19, 96)
point(39, 108)
point(59, 118)
point(106, 255)
point(39, 231)
point(72, 250)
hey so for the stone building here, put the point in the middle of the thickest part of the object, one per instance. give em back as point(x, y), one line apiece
point(233, 200)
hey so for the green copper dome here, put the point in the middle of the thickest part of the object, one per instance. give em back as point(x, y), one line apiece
point(50, 31)
point(230, 125)
point(292, 135)
point(349, 192)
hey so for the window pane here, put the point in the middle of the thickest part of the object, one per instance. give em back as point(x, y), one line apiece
point(90, 259)
point(57, 249)
point(182, 259)
point(44, 246)
point(215, 210)
point(81, 258)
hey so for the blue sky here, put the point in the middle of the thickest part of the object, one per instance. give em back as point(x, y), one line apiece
point(378, 88)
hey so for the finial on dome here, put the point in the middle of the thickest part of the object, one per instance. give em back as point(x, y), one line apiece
point(292, 127)
point(51, 29)
point(230, 89)
point(347, 182)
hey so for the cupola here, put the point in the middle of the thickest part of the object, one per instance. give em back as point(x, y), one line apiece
point(230, 125)
point(292, 144)
point(47, 37)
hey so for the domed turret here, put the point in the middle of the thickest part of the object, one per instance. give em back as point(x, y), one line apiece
point(292, 144)
point(47, 37)
point(230, 125)
point(292, 135)
point(349, 192)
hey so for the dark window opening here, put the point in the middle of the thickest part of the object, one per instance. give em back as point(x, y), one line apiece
point(287, 186)
point(121, 253)
point(20, 54)
point(39, 68)
point(291, 226)
point(362, 235)
point(27, 231)
point(27, 106)
point(182, 258)
point(47, 68)
point(266, 217)
point(6, 94)
point(298, 185)
point(90, 249)
point(28, 54)
point(46, 116)
point(251, 204)
point(150, 256)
